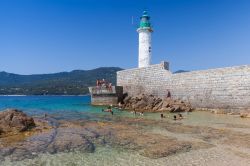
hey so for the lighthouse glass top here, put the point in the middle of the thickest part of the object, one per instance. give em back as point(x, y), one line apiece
point(145, 20)
point(145, 49)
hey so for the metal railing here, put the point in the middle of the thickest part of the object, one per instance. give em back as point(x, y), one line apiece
point(102, 90)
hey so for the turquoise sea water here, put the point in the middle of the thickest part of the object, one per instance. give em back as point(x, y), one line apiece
point(45, 103)
point(60, 107)
point(79, 107)
point(38, 105)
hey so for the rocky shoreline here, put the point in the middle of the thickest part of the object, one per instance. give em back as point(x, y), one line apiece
point(16, 126)
point(135, 134)
point(151, 103)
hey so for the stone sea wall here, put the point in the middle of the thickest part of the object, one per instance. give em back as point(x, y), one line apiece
point(224, 88)
point(104, 96)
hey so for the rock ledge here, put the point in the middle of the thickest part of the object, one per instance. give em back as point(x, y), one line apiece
point(150, 103)
point(15, 121)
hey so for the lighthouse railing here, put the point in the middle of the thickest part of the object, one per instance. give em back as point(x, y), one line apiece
point(102, 90)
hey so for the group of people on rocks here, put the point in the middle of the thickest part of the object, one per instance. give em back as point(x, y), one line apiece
point(103, 84)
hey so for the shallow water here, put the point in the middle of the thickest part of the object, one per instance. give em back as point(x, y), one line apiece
point(78, 108)
point(108, 156)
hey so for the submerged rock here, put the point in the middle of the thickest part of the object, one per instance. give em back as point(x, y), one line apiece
point(15, 121)
point(169, 148)
point(133, 134)
point(218, 111)
point(70, 139)
point(245, 115)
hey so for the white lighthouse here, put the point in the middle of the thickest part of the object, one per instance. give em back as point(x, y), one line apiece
point(145, 48)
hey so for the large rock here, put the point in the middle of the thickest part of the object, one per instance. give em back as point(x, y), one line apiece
point(15, 121)
point(127, 99)
point(150, 103)
point(245, 115)
point(140, 104)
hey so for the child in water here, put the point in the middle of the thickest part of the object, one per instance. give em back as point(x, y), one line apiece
point(180, 116)
point(109, 109)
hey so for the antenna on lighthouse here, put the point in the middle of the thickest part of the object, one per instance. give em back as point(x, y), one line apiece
point(132, 20)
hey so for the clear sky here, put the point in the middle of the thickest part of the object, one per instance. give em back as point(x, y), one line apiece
point(46, 36)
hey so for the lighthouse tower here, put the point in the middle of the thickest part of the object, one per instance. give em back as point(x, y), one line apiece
point(144, 31)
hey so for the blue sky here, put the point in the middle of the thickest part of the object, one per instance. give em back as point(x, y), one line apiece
point(47, 36)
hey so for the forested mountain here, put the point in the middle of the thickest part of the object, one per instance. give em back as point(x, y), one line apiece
point(65, 83)
point(181, 71)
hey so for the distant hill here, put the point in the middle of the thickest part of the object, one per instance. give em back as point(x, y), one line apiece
point(180, 71)
point(65, 83)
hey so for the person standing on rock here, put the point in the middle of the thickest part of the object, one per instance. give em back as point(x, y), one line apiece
point(119, 105)
point(168, 94)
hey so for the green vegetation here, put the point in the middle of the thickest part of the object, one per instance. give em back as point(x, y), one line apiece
point(65, 83)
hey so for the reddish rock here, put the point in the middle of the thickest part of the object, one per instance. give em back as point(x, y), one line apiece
point(13, 120)
point(150, 103)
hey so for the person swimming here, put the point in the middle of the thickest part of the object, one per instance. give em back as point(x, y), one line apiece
point(109, 109)
point(175, 118)
point(180, 116)
point(162, 116)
